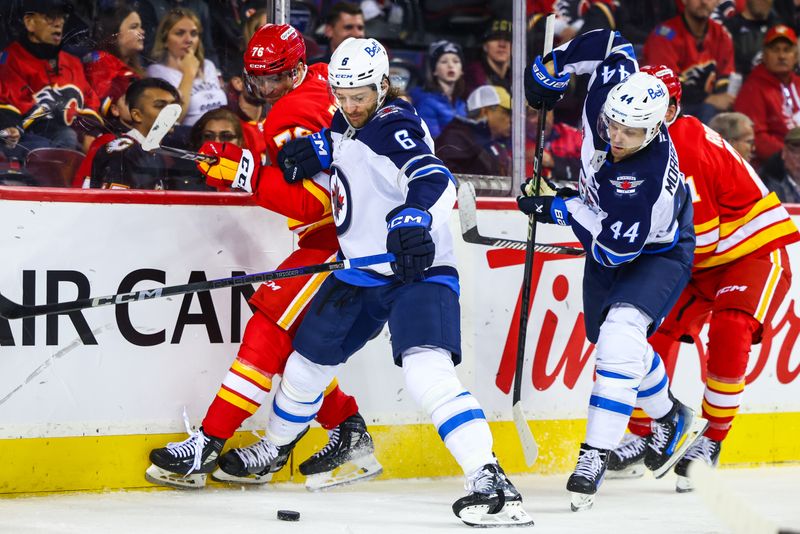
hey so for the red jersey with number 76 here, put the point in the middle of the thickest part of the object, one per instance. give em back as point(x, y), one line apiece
point(306, 109)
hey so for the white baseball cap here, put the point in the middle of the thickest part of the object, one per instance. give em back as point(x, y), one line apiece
point(488, 95)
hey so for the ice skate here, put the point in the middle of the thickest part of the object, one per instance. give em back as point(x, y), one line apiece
point(672, 436)
point(492, 501)
point(254, 464)
point(705, 450)
point(588, 476)
point(346, 458)
point(185, 464)
point(627, 460)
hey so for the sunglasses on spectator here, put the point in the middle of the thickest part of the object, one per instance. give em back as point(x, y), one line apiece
point(223, 137)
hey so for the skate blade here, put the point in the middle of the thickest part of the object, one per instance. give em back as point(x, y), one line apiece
point(357, 470)
point(581, 501)
point(632, 471)
point(221, 476)
point(156, 475)
point(511, 515)
point(684, 485)
point(696, 429)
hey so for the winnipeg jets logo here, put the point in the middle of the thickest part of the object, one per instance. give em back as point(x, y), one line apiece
point(626, 185)
point(340, 200)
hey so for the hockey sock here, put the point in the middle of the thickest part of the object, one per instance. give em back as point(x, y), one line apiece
point(730, 335)
point(298, 398)
point(622, 352)
point(666, 347)
point(653, 395)
point(431, 380)
point(240, 395)
point(262, 354)
point(336, 407)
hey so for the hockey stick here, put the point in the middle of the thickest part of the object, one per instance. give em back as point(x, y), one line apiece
point(529, 446)
point(166, 119)
point(732, 510)
point(468, 215)
point(12, 310)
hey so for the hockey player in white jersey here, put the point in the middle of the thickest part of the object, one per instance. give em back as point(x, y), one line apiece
point(633, 215)
point(389, 193)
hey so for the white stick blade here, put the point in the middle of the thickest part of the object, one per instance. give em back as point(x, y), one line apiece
point(467, 207)
point(529, 447)
point(164, 122)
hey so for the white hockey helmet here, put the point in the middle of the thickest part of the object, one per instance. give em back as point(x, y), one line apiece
point(639, 102)
point(357, 63)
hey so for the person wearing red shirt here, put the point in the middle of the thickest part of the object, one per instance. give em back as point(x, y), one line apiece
point(276, 71)
point(46, 84)
point(740, 275)
point(771, 94)
point(561, 158)
point(700, 51)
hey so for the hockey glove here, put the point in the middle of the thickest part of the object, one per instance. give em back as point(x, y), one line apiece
point(305, 156)
point(546, 188)
point(234, 168)
point(541, 88)
point(545, 209)
point(410, 241)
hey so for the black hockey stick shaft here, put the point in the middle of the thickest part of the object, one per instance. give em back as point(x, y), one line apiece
point(527, 277)
point(186, 154)
point(12, 310)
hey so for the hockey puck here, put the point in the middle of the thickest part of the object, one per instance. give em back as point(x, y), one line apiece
point(288, 515)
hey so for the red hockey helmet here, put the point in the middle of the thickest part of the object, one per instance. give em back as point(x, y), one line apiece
point(665, 74)
point(273, 49)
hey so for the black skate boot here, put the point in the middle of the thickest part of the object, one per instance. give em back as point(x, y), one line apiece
point(256, 463)
point(672, 436)
point(185, 464)
point(627, 460)
point(492, 501)
point(347, 457)
point(704, 450)
point(587, 477)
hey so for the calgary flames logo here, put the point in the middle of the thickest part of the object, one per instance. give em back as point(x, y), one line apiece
point(58, 103)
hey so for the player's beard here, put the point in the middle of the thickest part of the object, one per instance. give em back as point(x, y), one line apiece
point(361, 119)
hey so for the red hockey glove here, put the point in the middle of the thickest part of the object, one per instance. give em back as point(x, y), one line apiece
point(235, 167)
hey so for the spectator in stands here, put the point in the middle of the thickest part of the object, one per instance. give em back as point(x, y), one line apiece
point(46, 85)
point(781, 172)
point(120, 40)
point(179, 51)
point(442, 97)
point(477, 144)
point(121, 163)
point(345, 19)
point(748, 29)
point(220, 126)
point(771, 94)
point(700, 51)
point(561, 157)
point(494, 66)
point(737, 129)
point(154, 11)
point(117, 121)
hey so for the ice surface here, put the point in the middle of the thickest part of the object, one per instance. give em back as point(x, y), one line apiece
point(399, 507)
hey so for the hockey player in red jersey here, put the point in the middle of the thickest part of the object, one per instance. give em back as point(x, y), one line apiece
point(741, 274)
point(275, 70)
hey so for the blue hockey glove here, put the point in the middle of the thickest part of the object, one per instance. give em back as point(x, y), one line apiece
point(546, 188)
point(305, 156)
point(545, 209)
point(542, 89)
point(410, 241)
